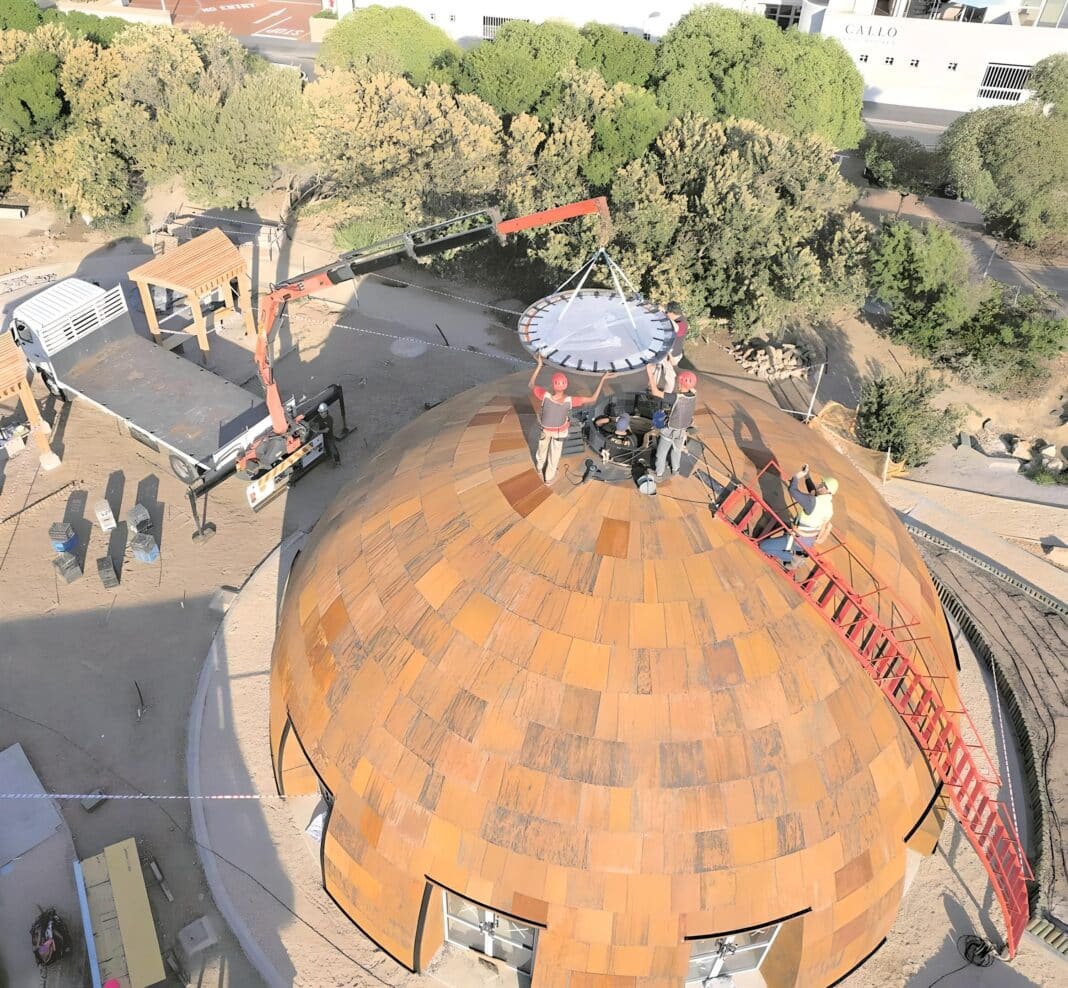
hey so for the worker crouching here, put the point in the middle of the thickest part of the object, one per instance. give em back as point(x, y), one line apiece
point(555, 418)
point(813, 523)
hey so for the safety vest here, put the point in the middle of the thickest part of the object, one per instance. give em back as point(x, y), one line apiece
point(681, 416)
point(555, 415)
point(810, 523)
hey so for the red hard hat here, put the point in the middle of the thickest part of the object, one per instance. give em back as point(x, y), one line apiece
point(687, 381)
point(559, 382)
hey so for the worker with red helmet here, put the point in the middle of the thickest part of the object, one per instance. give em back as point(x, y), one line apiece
point(673, 434)
point(555, 418)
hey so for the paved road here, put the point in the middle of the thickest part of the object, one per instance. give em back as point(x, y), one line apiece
point(300, 54)
point(926, 126)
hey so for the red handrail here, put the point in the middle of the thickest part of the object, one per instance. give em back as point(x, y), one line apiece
point(947, 737)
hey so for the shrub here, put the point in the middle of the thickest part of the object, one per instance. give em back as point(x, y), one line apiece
point(386, 39)
point(896, 414)
point(19, 15)
point(616, 55)
point(922, 276)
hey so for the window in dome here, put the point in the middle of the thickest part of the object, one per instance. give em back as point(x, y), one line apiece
point(508, 940)
point(719, 957)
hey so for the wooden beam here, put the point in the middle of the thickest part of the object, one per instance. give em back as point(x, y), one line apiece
point(39, 428)
point(201, 326)
point(244, 288)
point(150, 309)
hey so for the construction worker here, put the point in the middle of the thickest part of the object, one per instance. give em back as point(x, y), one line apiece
point(324, 425)
point(673, 434)
point(663, 373)
point(812, 524)
point(555, 418)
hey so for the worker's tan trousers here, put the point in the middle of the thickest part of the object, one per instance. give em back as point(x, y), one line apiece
point(547, 459)
point(667, 374)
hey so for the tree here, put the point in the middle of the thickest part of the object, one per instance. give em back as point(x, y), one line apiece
point(515, 71)
point(386, 39)
point(922, 275)
point(624, 120)
point(1049, 80)
point(896, 414)
point(389, 148)
point(80, 172)
point(19, 15)
point(730, 219)
point(616, 55)
point(101, 30)
point(29, 96)
point(720, 63)
point(902, 163)
point(225, 149)
point(1010, 162)
point(1010, 341)
point(225, 62)
point(155, 62)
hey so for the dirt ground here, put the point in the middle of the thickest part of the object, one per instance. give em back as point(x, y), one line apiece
point(74, 656)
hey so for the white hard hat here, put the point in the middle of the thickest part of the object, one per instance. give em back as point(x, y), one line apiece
point(831, 484)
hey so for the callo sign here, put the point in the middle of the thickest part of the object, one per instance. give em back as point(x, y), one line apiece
point(870, 31)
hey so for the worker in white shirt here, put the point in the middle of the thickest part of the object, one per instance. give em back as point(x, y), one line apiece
point(812, 524)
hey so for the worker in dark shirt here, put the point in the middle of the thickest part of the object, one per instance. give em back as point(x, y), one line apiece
point(619, 442)
point(323, 424)
point(663, 373)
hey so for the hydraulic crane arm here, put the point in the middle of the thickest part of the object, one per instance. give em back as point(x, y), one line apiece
point(457, 232)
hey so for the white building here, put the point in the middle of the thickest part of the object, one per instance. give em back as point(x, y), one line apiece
point(941, 54)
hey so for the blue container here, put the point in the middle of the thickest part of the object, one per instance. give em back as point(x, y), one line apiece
point(144, 548)
point(64, 538)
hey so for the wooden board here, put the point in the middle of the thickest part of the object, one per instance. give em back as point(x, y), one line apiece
point(123, 929)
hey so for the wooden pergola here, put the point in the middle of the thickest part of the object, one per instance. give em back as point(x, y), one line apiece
point(195, 269)
point(13, 381)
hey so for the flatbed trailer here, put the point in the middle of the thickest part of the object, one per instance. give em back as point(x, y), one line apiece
point(82, 341)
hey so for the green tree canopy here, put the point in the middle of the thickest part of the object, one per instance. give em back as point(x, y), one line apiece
point(616, 55)
point(896, 414)
point(731, 219)
point(390, 149)
point(19, 15)
point(623, 120)
point(922, 275)
point(1010, 341)
point(30, 104)
point(515, 71)
point(387, 39)
point(720, 63)
point(101, 30)
point(1011, 162)
point(1049, 80)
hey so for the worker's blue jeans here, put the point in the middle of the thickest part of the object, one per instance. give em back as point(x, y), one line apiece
point(776, 546)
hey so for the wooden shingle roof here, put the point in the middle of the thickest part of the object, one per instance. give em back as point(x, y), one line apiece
point(195, 267)
point(596, 710)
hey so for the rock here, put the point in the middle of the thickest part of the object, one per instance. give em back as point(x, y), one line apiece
point(1056, 551)
point(1055, 465)
point(1003, 464)
point(1049, 450)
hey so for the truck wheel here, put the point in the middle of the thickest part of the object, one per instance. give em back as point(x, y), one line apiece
point(184, 471)
point(53, 389)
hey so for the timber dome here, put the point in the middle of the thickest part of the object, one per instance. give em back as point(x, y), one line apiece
point(595, 733)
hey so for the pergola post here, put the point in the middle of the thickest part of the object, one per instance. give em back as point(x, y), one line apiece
point(38, 428)
point(201, 326)
point(150, 309)
point(244, 288)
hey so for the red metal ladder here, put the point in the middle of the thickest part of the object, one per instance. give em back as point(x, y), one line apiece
point(868, 623)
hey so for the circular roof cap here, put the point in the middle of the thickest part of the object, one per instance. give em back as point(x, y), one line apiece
point(595, 330)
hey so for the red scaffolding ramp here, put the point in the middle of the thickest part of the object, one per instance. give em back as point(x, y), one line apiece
point(870, 620)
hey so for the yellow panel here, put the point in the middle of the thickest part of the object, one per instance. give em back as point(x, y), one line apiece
point(143, 959)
